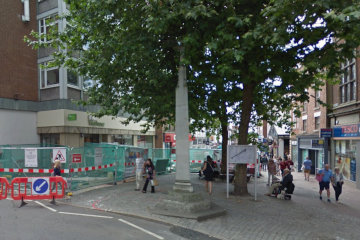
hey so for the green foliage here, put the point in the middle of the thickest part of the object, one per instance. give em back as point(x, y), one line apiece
point(246, 60)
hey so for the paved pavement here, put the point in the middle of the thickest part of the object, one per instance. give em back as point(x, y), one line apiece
point(40, 220)
point(303, 217)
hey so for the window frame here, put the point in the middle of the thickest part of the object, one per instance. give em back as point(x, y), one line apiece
point(347, 86)
point(317, 98)
point(317, 124)
point(45, 70)
point(78, 86)
point(304, 125)
point(44, 24)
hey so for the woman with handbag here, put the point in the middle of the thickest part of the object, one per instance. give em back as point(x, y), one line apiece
point(208, 171)
point(150, 175)
point(337, 182)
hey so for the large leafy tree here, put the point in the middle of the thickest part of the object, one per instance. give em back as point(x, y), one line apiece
point(245, 59)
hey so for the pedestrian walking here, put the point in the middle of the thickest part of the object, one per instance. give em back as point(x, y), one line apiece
point(264, 162)
point(208, 171)
point(56, 172)
point(271, 171)
point(337, 182)
point(283, 165)
point(307, 168)
point(57, 168)
point(277, 163)
point(326, 175)
point(150, 175)
point(290, 164)
point(139, 170)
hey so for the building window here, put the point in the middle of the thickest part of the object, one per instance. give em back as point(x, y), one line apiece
point(348, 81)
point(47, 25)
point(49, 76)
point(72, 78)
point(317, 98)
point(304, 125)
point(317, 123)
point(50, 139)
point(305, 106)
point(295, 120)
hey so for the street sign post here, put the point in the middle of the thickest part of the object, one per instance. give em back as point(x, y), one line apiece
point(238, 154)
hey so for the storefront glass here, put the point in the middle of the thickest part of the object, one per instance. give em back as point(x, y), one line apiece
point(319, 159)
point(124, 139)
point(345, 158)
point(145, 141)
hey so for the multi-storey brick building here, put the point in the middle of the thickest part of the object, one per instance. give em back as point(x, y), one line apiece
point(341, 118)
point(306, 142)
point(345, 121)
point(18, 74)
point(36, 103)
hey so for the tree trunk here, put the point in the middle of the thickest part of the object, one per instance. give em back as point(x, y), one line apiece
point(224, 144)
point(240, 183)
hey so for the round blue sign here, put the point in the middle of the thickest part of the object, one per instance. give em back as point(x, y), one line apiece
point(40, 186)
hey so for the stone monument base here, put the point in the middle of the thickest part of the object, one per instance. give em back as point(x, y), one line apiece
point(187, 205)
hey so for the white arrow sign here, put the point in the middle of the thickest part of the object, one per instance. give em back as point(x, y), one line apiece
point(38, 188)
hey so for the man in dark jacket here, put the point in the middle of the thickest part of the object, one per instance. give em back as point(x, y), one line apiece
point(285, 183)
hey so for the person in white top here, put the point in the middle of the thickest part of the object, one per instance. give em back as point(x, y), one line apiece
point(139, 168)
point(337, 181)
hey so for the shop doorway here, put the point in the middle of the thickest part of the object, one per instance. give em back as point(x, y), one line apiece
point(312, 156)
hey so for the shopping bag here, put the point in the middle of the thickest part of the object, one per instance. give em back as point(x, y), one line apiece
point(154, 182)
point(319, 177)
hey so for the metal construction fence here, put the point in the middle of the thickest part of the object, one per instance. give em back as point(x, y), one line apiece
point(91, 165)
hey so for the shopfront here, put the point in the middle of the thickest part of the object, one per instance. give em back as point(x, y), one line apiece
point(345, 141)
point(315, 149)
point(75, 128)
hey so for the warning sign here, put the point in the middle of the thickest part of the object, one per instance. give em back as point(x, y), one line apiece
point(59, 154)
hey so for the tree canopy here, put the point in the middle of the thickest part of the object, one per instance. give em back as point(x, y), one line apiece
point(245, 59)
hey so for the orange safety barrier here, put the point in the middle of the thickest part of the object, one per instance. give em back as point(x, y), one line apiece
point(4, 187)
point(36, 188)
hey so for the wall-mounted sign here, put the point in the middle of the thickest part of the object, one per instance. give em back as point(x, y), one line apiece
point(317, 143)
point(171, 137)
point(347, 131)
point(72, 117)
point(326, 132)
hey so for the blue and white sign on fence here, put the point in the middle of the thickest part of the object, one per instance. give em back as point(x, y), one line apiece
point(40, 186)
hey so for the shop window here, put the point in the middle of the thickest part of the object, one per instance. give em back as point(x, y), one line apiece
point(345, 158)
point(317, 123)
point(47, 25)
point(49, 76)
point(348, 81)
point(145, 141)
point(304, 125)
point(50, 139)
point(91, 138)
point(124, 139)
